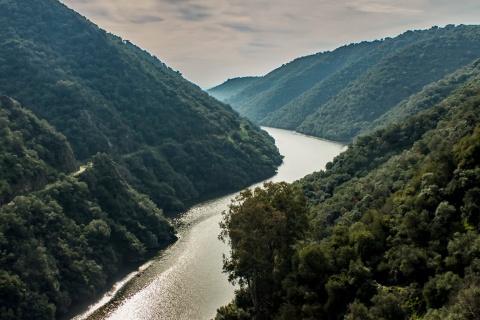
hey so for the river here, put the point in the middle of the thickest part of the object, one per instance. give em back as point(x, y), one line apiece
point(186, 281)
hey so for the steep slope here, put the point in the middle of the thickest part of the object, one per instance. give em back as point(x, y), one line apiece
point(294, 113)
point(394, 226)
point(393, 79)
point(172, 140)
point(338, 94)
point(32, 153)
point(282, 85)
point(63, 232)
point(406, 222)
point(428, 97)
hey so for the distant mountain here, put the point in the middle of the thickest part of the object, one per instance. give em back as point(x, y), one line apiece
point(231, 87)
point(169, 139)
point(64, 231)
point(336, 95)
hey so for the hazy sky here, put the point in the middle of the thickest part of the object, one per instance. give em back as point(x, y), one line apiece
point(210, 41)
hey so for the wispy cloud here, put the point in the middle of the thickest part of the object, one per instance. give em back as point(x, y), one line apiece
point(240, 27)
point(194, 12)
point(144, 19)
point(377, 7)
point(211, 40)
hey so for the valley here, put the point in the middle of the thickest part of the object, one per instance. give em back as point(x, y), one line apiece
point(363, 185)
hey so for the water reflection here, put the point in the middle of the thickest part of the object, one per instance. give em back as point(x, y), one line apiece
point(186, 280)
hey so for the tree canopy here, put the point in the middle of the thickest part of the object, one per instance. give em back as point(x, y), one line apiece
point(63, 232)
point(393, 225)
point(262, 225)
point(170, 139)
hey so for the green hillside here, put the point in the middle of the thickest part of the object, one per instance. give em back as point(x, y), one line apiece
point(82, 195)
point(282, 85)
point(170, 139)
point(392, 80)
point(336, 95)
point(32, 153)
point(393, 227)
point(427, 97)
point(63, 232)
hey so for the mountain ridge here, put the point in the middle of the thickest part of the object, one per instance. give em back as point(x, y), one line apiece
point(108, 95)
point(378, 76)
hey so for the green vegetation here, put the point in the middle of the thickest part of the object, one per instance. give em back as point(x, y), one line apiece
point(340, 94)
point(427, 98)
point(389, 231)
point(271, 92)
point(391, 80)
point(32, 153)
point(147, 138)
point(63, 231)
point(393, 226)
point(171, 140)
point(262, 226)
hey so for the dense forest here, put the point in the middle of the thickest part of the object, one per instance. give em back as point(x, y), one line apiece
point(337, 95)
point(98, 137)
point(63, 230)
point(389, 230)
point(171, 140)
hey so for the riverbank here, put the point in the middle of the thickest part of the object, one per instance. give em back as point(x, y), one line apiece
point(186, 280)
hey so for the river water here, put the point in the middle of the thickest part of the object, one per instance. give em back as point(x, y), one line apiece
point(186, 281)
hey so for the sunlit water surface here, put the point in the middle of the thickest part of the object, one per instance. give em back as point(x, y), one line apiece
point(186, 280)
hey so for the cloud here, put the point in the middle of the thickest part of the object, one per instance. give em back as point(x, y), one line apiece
point(194, 12)
point(144, 19)
point(240, 27)
point(212, 40)
point(261, 44)
point(377, 7)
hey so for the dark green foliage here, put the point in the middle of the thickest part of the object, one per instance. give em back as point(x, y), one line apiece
point(63, 233)
point(394, 222)
point(393, 79)
point(261, 226)
point(32, 153)
point(59, 245)
point(426, 98)
point(360, 87)
point(269, 93)
point(172, 140)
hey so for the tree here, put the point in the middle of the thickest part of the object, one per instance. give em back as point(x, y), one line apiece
point(262, 227)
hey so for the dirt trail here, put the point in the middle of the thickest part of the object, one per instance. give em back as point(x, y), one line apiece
point(82, 168)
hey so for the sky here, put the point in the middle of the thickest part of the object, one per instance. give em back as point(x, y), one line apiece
point(210, 41)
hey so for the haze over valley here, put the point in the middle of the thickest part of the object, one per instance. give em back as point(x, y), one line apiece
point(108, 155)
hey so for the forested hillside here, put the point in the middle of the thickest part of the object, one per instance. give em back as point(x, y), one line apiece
point(393, 227)
point(122, 137)
point(336, 95)
point(170, 139)
point(32, 153)
point(63, 231)
point(269, 93)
